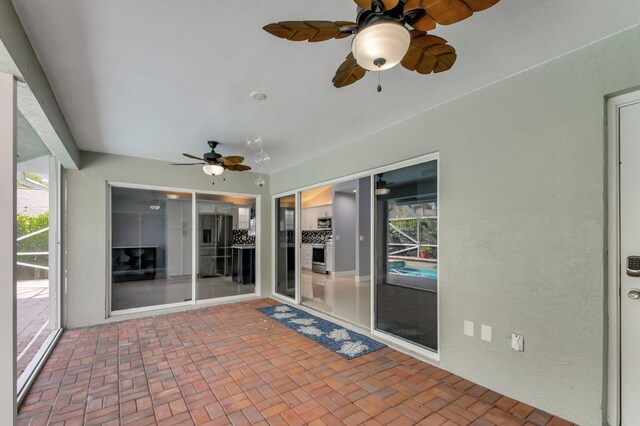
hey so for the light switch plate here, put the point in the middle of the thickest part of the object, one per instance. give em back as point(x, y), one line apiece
point(486, 332)
point(517, 342)
point(468, 328)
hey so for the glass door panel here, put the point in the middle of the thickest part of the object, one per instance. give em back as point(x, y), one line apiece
point(36, 305)
point(151, 248)
point(286, 245)
point(226, 246)
point(335, 258)
point(406, 253)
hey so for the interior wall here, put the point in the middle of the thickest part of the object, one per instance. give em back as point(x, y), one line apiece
point(344, 232)
point(522, 181)
point(86, 224)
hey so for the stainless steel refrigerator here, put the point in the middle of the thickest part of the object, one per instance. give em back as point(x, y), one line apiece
point(215, 239)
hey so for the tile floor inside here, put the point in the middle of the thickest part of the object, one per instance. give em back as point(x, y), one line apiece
point(161, 291)
point(342, 297)
point(231, 364)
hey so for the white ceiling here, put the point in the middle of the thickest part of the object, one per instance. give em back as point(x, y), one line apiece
point(154, 78)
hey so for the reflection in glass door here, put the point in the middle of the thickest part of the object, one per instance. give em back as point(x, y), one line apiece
point(335, 265)
point(406, 253)
point(151, 246)
point(285, 253)
point(226, 246)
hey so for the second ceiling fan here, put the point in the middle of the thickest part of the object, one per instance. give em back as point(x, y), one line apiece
point(382, 37)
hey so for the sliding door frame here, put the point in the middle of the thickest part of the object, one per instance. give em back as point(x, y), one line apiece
point(433, 355)
point(371, 173)
point(194, 241)
point(274, 245)
point(56, 279)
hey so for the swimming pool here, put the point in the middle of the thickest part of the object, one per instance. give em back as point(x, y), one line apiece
point(402, 269)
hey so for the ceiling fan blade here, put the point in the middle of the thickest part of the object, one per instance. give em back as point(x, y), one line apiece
point(348, 73)
point(428, 53)
point(377, 5)
point(238, 167)
point(312, 31)
point(192, 156)
point(187, 164)
point(233, 159)
point(417, 17)
point(443, 12)
point(480, 5)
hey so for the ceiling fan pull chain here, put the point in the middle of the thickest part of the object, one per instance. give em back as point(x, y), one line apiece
point(379, 85)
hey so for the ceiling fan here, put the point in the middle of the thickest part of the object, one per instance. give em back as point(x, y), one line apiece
point(215, 164)
point(383, 37)
point(382, 185)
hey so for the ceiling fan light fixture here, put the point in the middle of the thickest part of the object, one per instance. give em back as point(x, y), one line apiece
point(213, 169)
point(381, 46)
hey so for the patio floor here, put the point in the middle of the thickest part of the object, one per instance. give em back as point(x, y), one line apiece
point(32, 314)
point(233, 365)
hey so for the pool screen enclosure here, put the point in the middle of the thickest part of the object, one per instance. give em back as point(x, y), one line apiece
point(406, 245)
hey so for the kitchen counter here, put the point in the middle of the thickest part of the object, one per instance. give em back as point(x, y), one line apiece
point(243, 263)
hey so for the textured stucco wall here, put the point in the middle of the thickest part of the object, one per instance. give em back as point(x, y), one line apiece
point(522, 178)
point(86, 218)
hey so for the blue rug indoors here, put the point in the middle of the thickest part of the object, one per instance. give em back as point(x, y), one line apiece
point(345, 342)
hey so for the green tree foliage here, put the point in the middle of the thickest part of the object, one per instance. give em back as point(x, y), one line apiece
point(38, 243)
point(405, 231)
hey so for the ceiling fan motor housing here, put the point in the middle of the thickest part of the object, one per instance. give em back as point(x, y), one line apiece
point(369, 17)
point(213, 155)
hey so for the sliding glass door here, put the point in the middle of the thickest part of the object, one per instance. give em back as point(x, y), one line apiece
point(151, 248)
point(335, 266)
point(385, 223)
point(406, 253)
point(285, 250)
point(226, 246)
point(37, 219)
point(171, 247)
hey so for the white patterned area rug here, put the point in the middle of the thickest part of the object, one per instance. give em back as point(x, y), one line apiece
point(342, 341)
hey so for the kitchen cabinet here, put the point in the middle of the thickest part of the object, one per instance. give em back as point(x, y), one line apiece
point(306, 256)
point(179, 238)
point(244, 264)
point(310, 216)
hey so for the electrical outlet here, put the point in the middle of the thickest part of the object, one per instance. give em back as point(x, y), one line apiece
point(517, 342)
point(468, 328)
point(485, 333)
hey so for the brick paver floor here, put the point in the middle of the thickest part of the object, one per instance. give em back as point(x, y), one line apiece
point(233, 365)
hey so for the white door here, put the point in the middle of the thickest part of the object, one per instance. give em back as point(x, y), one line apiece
point(629, 122)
